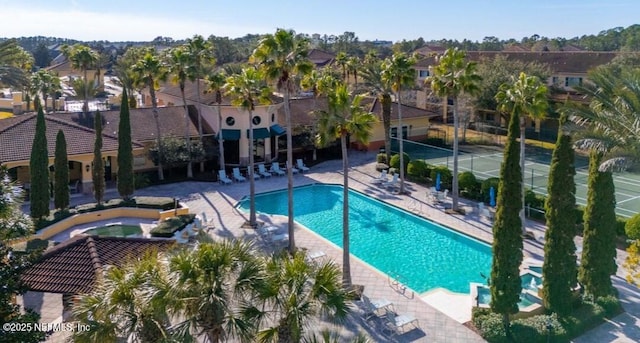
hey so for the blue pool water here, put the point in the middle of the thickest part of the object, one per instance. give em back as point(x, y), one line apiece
point(423, 254)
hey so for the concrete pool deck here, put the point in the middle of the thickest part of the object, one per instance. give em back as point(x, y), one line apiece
point(439, 315)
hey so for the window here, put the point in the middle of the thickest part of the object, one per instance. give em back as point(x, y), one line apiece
point(572, 81)
point(423, 73)
point(554, 80)
point(273, 117)
point(256, 120)
point(394, 132)
point(230, 121)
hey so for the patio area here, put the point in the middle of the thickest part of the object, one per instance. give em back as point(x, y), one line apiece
point(440, 313)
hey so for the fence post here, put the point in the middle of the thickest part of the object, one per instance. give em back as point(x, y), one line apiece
point(531, 178)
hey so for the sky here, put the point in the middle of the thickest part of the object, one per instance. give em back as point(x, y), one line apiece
point(395, 20)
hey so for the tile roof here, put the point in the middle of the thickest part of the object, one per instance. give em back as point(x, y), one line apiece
point(191, 93)
point(302, 108)
point(17, 133)
point(578, 62)
point(72, 267)
point(320, 57)
point(143, 127)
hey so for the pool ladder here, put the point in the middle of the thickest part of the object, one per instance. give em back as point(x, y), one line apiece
point(396, 283)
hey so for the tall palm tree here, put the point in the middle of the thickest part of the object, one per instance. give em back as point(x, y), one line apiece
point(342, 61)
point(201, 53)
point(215, 83)
point(344, 118)
point(353, 66)
point(398, 73)
point(611, 117)
point(451, 77)
point(82, 58)
point(297, 291)
point(149, 71)
point(213, 287)
point(179, 64)
point(246, 89)
point(528, 97)
point(11, 61)
point(282, 56)
point(123, 305)
point(372, 76)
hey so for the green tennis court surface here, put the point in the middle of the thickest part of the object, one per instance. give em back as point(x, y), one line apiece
point(487, 164)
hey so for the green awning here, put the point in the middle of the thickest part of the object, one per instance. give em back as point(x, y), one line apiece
point(231, 135)
point(277, 130)
point(259, 133)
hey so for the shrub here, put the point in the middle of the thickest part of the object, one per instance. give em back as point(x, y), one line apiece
point(168, 227)
point(632, 227)
point(162, 203)
point(445, 176)
point(435, 141)
point(418, 168)
point(491, 327)
point(486, 186)
point(395, 161)
point(381, 158)
point(535, 329)
point(610, 305)
point(467, 181)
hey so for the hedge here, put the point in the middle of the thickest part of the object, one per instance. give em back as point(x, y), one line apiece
point(535, 329)
point(486, 186)
point(395, 161)
point(418, 169)
point(169, 226)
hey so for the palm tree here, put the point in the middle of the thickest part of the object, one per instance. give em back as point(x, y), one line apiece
point(342, 61)
point(246, 89)
point(611, 117)
point(201, 53)
point(149, 71)
point(353, 66)
point(213, 287)
point(451, 77)
point(528, 97)
point(215, 84)
point(12, 73)
point(46, 84)
point(344, 118)
point(297, 291)
point(372, 75)
point(124, 305)
point(283, 56)
point(179, 64)
point(398, 72)
point(82, 58)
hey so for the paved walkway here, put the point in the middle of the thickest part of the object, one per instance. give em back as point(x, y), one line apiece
point(218, 201)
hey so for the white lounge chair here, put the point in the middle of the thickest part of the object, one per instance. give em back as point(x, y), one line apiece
point(237, 176)
point(222, 177)
point(372, 307)
point(295, 170)
point(393, 183)
point(262, 171)
point(396, 323)
point(301, 165)
point(384, 177)
point(279, 238)
point(275, 169)
point(74, 187)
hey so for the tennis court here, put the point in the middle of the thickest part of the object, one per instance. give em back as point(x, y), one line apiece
point(486, 164)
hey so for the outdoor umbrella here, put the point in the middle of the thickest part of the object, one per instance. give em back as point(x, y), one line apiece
point(492, 197)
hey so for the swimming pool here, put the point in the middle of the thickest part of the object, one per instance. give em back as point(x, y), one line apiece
point(423, 254)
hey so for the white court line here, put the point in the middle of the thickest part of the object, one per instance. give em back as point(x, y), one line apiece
point(630, 199)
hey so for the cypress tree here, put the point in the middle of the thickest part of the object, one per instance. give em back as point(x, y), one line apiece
point(98, 164)
point(125, 150)
point(559, 270)
point(599, 236)
point(507, 231)
point(61, 170)
point(39, 170)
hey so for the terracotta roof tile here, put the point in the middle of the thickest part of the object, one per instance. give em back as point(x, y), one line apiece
point(143, 127)
point(18, 133)
point(578, 62)
point(72, 267)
